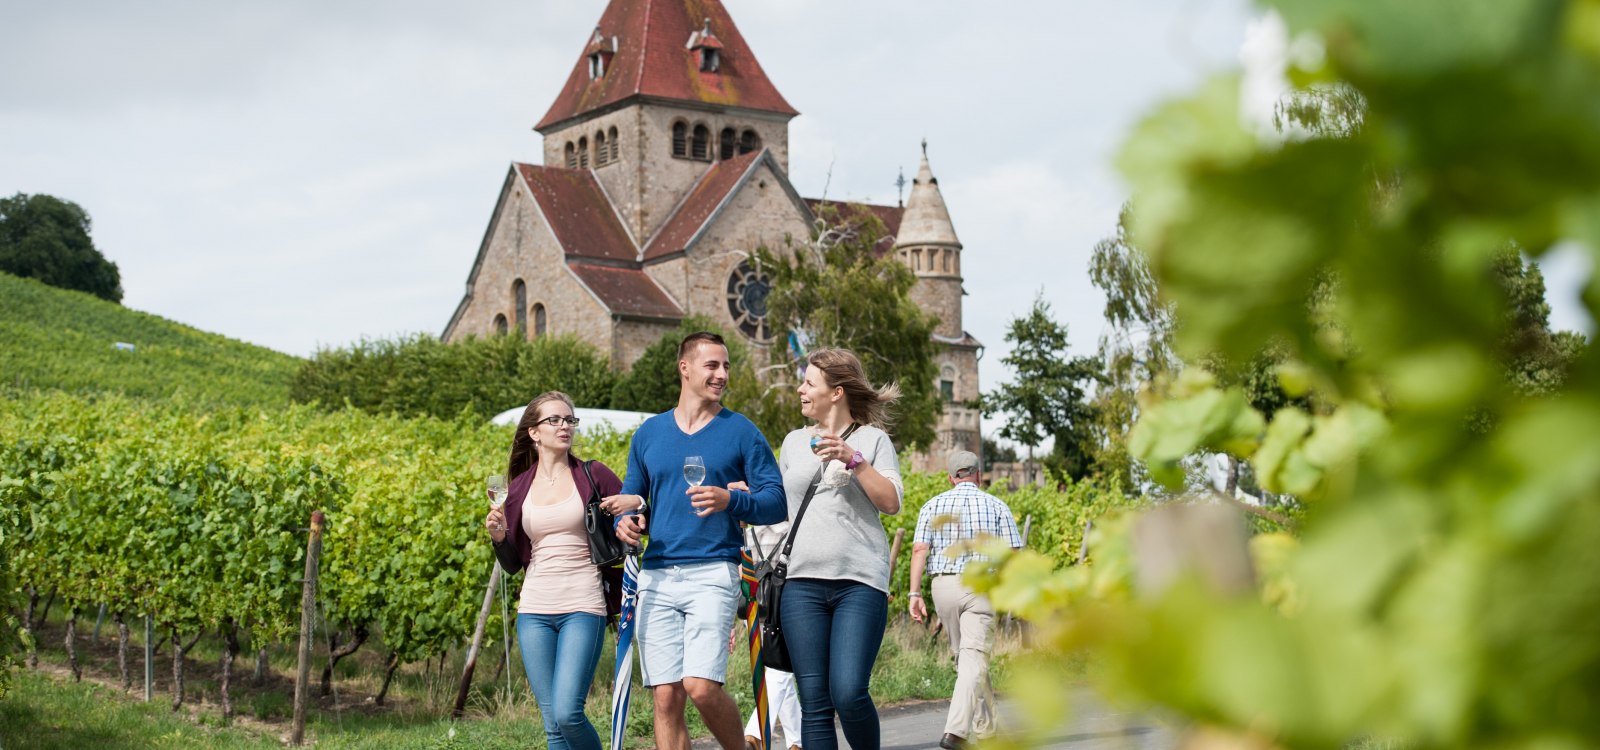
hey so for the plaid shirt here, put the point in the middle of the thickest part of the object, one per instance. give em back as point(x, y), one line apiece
point(976, 513)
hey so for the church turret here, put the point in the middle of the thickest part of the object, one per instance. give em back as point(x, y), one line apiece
point(927, 243)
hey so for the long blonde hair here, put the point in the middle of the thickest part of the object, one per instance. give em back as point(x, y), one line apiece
point(841, 368)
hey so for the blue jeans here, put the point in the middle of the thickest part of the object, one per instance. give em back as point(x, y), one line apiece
point(559, 653)
point(833, 629)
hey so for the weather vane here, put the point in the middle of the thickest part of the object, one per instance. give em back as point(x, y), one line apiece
point(900, 188)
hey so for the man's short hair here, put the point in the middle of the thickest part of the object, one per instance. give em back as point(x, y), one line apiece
point(695, 339)
point(963, 464)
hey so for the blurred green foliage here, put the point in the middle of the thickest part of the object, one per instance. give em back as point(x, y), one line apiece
point(57, 339)
point(1439, 593)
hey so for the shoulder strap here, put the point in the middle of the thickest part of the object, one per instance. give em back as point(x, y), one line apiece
point(594, 490)
point(788, 542)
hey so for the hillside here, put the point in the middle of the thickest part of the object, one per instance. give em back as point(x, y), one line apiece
point(56, 339)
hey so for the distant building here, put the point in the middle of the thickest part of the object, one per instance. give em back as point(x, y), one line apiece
point(666, 161)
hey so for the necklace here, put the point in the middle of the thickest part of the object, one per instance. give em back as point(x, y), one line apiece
point(554, 475)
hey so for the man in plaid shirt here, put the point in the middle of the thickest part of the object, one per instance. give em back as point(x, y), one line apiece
point(962, 514)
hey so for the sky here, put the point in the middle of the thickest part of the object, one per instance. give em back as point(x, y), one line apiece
point(306, 174)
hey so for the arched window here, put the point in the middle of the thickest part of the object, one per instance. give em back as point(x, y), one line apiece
point(612, 139)
point(539, 320)
point(572, 156)
point(680, 140)
point(749, 141)
point(602, 152)
point(519, 291)
point(583, 152)
point(725, 143)
point(700, 148)
point(500, 325)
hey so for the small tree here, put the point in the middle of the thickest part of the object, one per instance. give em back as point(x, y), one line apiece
point(43, 237)
point(1048, 396)
point(843, 290)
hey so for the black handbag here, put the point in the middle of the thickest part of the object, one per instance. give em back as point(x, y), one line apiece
point(771, 573)
point(605, 549)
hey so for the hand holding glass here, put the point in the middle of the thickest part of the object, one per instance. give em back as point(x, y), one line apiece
point(496, 484)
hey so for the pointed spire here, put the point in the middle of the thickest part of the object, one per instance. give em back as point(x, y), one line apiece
point(926, 220)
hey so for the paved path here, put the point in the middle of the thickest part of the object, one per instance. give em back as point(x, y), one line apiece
point(1091, 726)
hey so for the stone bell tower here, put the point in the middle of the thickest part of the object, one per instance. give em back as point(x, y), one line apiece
point(927, 243)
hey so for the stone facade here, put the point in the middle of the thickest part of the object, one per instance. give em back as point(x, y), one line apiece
point(618, 242)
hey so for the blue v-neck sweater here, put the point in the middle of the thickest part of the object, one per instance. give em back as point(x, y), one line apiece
point(734, 450)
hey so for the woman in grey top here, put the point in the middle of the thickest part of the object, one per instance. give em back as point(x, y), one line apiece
point(835, 604)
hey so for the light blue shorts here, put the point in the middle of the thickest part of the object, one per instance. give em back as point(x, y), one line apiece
point(685, 614)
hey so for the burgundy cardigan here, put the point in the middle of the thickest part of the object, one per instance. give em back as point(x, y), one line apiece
point(516, 550)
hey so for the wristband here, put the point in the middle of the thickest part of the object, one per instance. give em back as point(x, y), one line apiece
point(915, 595)
point(855, 461)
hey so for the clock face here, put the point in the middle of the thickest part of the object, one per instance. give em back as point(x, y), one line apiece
point(747, 300)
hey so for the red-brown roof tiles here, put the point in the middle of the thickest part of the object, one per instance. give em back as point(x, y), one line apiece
point(578, 212)
point(698, 205)
point(653, 59)
point(627, 291)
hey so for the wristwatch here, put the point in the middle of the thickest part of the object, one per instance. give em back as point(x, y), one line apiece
point(855, 461)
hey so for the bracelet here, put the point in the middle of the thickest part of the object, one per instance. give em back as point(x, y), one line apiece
point(915, 594)
point(855, 461)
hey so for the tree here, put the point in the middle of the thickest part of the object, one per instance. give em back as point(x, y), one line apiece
point(1135, 350)
point(43, 237)
point(1048, 398)
point(842, 290)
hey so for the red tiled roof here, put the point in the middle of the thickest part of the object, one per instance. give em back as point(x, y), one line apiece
point(889, 215)
point(627, 291)
point(698, 205)
point(653, 59)
point(579, 214)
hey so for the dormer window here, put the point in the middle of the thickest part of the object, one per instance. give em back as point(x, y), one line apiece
point(707, 49)
point(599, 52)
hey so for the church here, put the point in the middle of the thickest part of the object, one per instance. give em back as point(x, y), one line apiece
point(666, 159)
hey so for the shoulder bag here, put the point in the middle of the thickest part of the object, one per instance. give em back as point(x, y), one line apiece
point(604, 547)
point(771, 572)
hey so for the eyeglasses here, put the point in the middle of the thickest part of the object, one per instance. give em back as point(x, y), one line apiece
point(556, 420)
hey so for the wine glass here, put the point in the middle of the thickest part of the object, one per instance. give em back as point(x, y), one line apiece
point(694, 470)
point(496, 484)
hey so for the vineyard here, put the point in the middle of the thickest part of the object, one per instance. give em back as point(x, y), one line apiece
point(57, 339)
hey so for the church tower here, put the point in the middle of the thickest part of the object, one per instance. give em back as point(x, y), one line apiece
point(927, 243)
point(662, 92)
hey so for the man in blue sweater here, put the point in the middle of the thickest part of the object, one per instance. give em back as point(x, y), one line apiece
point(689, 581)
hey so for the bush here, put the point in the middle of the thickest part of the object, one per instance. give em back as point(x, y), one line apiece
point(423, 376)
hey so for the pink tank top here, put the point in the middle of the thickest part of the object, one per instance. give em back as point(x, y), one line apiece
point(559, 578)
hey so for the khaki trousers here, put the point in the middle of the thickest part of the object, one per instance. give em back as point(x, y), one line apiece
point(969, 619)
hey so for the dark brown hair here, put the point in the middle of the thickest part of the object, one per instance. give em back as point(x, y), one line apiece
point(523, 450)
point(841, 368)
point(694, 339)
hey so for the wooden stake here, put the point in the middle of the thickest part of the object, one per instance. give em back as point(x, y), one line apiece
point(477, 643)
point(308, 612)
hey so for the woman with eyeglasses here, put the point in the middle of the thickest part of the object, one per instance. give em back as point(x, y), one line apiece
point(562, 610)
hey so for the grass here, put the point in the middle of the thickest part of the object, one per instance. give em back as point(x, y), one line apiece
point(57, 339)
point(47, 710)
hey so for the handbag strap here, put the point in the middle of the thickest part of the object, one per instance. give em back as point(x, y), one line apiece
point(594, 492)
point(788, 542)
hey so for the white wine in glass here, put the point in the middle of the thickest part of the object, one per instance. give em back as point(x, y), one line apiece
point(496, 483)
point(694, 470)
